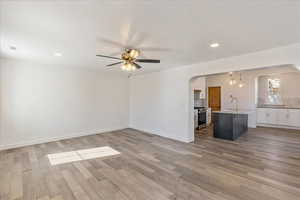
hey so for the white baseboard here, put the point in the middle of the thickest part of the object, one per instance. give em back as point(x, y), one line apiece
point(56, 138)
point(278, 126)
point(159, 133)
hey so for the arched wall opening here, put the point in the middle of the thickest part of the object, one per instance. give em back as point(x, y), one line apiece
point(249, 103)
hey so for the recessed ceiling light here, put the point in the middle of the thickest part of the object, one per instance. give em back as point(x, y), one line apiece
point(57, 54)
point(13, 48)
point(214, 45)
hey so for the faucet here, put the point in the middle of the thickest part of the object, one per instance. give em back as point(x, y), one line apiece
point(234, 100)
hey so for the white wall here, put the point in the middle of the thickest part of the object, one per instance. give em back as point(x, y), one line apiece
point(42, 103)
point(153, 97)
point(160, 102)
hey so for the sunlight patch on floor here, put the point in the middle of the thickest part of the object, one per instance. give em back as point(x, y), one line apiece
point(83, 154)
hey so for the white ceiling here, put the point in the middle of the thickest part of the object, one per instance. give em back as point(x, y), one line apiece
point(178, 32)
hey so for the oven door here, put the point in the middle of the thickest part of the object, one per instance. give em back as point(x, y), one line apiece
point(201, 118)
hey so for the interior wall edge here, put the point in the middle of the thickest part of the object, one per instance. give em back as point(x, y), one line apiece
point(158, 133)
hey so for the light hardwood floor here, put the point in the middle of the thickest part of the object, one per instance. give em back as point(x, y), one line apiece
point(262, 165)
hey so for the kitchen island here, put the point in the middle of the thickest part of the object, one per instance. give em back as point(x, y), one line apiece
point(229, 124)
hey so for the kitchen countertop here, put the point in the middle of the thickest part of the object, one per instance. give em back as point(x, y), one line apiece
point(235, 112)
point(278, 107)
point(199, 107)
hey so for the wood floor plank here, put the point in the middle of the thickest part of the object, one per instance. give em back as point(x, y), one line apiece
point(77, 190)
point(16, 183)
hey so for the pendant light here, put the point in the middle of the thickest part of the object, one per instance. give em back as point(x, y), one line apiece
point(232, 80)
point(241, 84)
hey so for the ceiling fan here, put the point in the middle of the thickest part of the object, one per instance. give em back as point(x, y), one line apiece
point(129, 60)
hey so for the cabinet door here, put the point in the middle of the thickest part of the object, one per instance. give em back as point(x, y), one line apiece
point(202, 95)
point(271, 116)
point(284, 117)
point(261, 115)
point(294, 117)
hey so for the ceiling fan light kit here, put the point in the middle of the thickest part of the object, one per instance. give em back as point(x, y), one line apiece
point(128, 67)
point(129, 60)
point(134, 53)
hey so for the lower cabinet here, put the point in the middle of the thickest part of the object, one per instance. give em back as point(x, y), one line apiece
point(283, 117)
point(294, 116)
point(279, 117)
point(266, 116)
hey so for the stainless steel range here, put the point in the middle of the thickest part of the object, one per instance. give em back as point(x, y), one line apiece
point(201, 117)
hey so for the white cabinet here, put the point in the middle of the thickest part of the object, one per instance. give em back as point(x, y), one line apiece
point(261, 116)
point(294, 115)
point(279, 117)
point(208, 116)
point(199, 84)
point(271, 116)
point(266, 116)
point(202, 94)
point(283, 117)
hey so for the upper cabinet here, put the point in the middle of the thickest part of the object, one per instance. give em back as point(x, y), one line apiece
point(197, 94)
point(199, 86)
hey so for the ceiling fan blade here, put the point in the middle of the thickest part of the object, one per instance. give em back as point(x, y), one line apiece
point(147, 60)
point(117, 53)
point(114, 64)
point(109, 57)
point(137, 65)
point(110, 42)
point(142, 55)
point(154, 49)
point(139, 38)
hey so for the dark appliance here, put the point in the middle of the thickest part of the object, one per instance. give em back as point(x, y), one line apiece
point(201, 116)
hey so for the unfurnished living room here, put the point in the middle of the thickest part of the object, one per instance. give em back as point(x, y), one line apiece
point(150, 100)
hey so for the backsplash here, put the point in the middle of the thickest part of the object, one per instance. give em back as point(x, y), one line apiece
point(199, 102)
point(289, 102)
